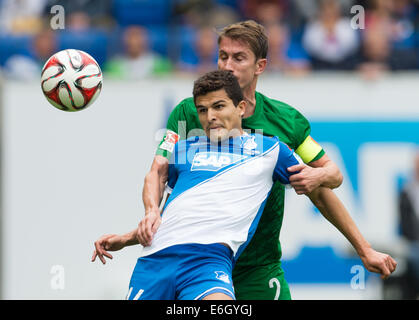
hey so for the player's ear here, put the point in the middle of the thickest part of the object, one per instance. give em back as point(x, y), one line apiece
point(260, 66)
point(241, 108)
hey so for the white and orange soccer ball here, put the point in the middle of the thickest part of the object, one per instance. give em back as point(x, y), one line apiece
point(71, 80)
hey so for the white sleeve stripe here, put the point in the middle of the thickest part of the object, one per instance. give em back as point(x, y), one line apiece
point(231, 294)
point(168, 189)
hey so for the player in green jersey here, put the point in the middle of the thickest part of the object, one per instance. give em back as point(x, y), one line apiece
point(258, 274)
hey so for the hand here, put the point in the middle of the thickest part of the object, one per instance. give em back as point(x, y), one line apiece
point(108, 242)
point(379, 262)
point(148, 227)
point(307, 179)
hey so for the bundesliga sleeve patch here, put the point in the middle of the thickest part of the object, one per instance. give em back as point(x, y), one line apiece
point(169, 141)
point(309, 149)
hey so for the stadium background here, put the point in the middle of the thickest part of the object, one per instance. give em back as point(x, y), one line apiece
point(68, 178)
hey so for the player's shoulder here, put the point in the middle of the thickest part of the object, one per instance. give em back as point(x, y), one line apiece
point(276, 106)
point(259, 141)
point(260, 137)
point(270, 141)
point(186, 104)
point(183, 111)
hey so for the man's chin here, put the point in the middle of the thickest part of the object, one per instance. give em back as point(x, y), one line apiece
point(216, 137)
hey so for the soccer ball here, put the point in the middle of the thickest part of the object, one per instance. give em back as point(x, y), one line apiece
point(71, 80)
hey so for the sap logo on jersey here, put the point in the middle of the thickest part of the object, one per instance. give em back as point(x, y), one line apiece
point(214, 161)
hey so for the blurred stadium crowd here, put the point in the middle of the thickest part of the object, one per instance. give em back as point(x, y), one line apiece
point(133, 39)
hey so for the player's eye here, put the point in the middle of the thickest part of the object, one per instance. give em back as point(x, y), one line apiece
point(202, 110)
point(218, 107)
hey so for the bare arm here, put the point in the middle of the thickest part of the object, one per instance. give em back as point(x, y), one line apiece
point(320, 173)
point(113, 242)
point(335, 212)
point(332, 177)
point(154, 184)
point(153, 191)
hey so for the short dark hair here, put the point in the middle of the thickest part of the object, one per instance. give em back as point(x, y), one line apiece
point(217, 80)
point(249, 32)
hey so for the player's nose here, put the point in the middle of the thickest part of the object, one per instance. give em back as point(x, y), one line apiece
point(211, 116)
point(226, 65)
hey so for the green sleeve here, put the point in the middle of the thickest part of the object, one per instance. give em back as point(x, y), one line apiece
point(175, 130)
point(303, 129)
point(175, 115)
point(319, 155)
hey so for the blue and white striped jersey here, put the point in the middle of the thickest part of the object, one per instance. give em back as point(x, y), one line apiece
point(218, 191)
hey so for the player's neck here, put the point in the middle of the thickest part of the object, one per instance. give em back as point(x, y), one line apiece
point(249, 96)
point(239, 131)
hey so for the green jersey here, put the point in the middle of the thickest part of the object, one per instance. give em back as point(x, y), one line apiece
point(271, 118)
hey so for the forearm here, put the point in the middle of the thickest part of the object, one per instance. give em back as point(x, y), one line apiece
point(130, 238)
point(152, 192)
point(331, 177)
point(335, 212)
point(154, 184)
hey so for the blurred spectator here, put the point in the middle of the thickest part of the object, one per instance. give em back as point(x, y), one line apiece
point(137, 61)
point(265, 11)
point(404, 17)
point(21, 16)
point(329, 40)
point(284, 55)
point(202, 56)
point(309, 9)
point(396, 18)
point(388, 43)
point(409, 222)
point(376, 54)
point(201, 13)
point(78, 21)
point(23, 67)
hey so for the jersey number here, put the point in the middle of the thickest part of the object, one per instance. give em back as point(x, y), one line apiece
point(275, 281)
